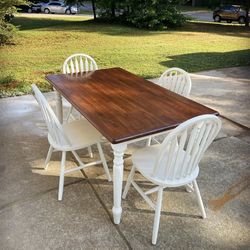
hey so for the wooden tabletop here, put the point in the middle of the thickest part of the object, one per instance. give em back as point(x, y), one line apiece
point(123, 106)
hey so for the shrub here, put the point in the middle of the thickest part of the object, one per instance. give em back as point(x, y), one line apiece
point(150, 14)
point(7, 9)
point(155, 14)
point(7, 32)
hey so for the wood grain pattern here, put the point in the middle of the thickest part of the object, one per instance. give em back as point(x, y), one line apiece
point(123, 106)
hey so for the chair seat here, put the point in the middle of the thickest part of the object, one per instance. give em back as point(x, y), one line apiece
point(144, 160)
point(80, 134)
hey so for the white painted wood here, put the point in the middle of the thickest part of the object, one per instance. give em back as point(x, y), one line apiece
point(129, 181)
point(61, 179)
point(144, 196)
point(157, 216)
point(199, 199)
point(175, 162)
point(48, 157)
point(78, 63)
point(90, 152)
point(105, 166)
point(189, 188)
point(59, 109)
point(119, 150)
point(152, 190)
point(82, 167)
point(176, 80)
point(69, 137)
point(69, 114)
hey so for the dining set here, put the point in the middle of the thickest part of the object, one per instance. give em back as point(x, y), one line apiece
point(124, 108)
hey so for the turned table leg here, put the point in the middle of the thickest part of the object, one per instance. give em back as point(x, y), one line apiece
point(59, 109)
point(118, 166)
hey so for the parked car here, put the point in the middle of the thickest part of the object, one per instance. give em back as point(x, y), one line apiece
point(34, 7)
point(229, 13)
point(59, 7)
point(22, 8)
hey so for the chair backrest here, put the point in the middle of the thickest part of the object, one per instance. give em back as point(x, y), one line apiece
point(79, 63)
point(176, 80)
point(53, 124)
point(184, 146)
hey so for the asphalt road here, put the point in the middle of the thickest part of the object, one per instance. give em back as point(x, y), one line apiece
point(200, 15)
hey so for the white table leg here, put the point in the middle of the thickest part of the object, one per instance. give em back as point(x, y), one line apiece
point(59, 110)
point(119, 150)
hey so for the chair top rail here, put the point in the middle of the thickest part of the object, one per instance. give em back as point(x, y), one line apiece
point(79, 63)
point(176, 80)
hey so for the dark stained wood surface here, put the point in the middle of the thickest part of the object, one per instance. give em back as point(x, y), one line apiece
point(123, 106)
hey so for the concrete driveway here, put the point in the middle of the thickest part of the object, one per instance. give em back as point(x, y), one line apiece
point(226, 90)
point(32, 218)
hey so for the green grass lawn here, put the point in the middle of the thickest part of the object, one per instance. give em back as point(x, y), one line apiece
point(44, 42)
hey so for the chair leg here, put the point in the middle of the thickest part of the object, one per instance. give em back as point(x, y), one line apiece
point(189, 188)
point(90, 152)
point(157, 216)
point(200, 202)
point(149, 141)
point(77, 157)
point(129, 181)
point(48, 157)
point(104, 163)
point(61, 180)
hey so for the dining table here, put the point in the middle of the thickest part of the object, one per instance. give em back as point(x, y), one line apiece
point(124, 108)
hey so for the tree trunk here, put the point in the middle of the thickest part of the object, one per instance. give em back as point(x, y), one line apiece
point(247, 12)
point(93, 8)
point(113, 9)
point(193, 3)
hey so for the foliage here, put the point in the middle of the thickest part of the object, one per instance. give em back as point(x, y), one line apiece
point(110, 8)
point(7, 31)
point(7, 7)
point(155, 14)
point(7, 10)
point(150, 14)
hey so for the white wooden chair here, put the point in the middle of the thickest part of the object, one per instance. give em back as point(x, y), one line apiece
point(175, 162)
point(78, 63)
point(176, 80)
point(69, 137)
